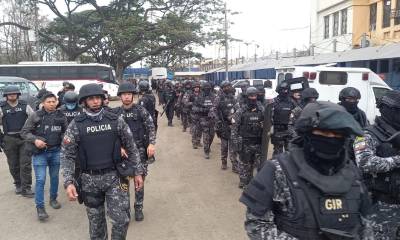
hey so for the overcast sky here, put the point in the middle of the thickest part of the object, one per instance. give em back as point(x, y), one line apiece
point(273, 25)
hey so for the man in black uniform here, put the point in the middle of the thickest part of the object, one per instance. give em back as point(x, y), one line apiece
point(349, 98)
point(242, 98)
point(247, 130)
point(70, 108)
point(179, 92)
point(282, 109)
point(141, 124)
point(13, 113)
point(169, 97)
point(185, 104)
point(97, 136)
point(43, 130)
point(311, 191)
point(148, 101)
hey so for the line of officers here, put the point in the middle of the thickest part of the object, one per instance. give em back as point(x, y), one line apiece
point(333, 175)
point(99, 150)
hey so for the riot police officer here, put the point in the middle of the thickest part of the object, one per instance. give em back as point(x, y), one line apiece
point(201, 108)
point(377, 154)
point(223, 111)
point(148, 101)
point(43, 130)
point(282, 109)
point(241, 98)
point(309, 95)
point(169, 98)
point(141, 124)
point(195, 128)
point(14, 113)
point(178, 92)
point(70, 108)
point(349, 98)
point(96, 136)
point(186, 104)
point(247, 129)
point(311, 191)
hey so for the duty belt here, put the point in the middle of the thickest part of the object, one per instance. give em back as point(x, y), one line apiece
point(98, 171)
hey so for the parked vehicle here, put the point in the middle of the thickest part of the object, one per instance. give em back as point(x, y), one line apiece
point(28, 89)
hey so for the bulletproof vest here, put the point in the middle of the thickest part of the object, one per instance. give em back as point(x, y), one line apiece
point(135, 121)
point(227, 106)
point(203, 104)
point(252, 124)
point(71, 114)
point(148, 102)
point(13, 117)
point(384, 187)
point(51, 127)
point(186, 99)
point(326, 207)
point(282, 111)
point(169, 95)
point(99, 146)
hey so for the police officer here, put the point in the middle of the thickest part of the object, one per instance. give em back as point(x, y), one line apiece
point(247, 129)
point(66, 88)
point(96, 136)
point(311, 191)
point(43, 130)
point(141, 124)
point(349, 98)
point(282, 109)
point(160, 91)
point(223, 111)
point(70, 108)
point(201, 108)
point(148, 101)
point(14, 113)
point(185, 104)
point(377, 154)
point(179, 92)
point(195, 128)
point(241, 98)
point(169, 98)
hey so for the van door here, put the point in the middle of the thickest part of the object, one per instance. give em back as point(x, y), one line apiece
point(329, 84)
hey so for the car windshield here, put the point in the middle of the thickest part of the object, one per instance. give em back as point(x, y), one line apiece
point(22, 87)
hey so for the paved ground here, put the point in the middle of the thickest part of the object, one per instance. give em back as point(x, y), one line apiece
point(187, 197)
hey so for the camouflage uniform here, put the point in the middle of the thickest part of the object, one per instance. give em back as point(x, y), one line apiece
point(222, 111)
point(106, 187)
point(186, 105)
point(150, 138)
point(195, 128)
point(386, 214)
point(249, 148)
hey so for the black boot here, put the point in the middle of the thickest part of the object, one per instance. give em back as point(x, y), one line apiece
point(139, 214)
point(27, 193)
point(55, 204)
point(42, 214)
point(224, 165)
point(18, 190)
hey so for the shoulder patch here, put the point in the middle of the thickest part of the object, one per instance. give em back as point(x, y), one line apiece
point(66, 140)
point(359, 144)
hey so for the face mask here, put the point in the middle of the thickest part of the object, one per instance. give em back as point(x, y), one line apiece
point(351, 107)
point(325, 154)
point(70, 106)
point(252, 103)
point(207, 91)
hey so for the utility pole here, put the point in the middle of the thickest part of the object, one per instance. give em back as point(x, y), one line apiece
point(226, 45)
point(37, 31)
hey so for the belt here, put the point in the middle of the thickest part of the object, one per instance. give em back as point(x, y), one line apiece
point(98, 171)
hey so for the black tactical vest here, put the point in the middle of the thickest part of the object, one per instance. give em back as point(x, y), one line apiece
point(252, 124)
point(135, 121)
point(203, 104)
point(227, 107)
point(148, 101)
point(99, 144)
point(51, 127)
point(169, 95)
point(326, 207)
point(384, 187)
point(13, 117)
point(71, 114)
point(282, 111)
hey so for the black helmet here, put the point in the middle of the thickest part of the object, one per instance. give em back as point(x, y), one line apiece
point(126, 87)
point(144, 86)
point(389, 107)
point(196, 84)
point(309, 93)
point(226, 84)
point(391, 99)
point(11, 89)
point(349, 92)
point(206, 85)
point(327, 116)
point(89, 90)
point(282, 86)
point(70, 97)
point(252, 91)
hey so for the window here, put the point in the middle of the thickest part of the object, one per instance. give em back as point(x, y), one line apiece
point(257, 82)
point(335, 24)
point(387, 7)
point(31, 73)
point(397, 13)
point(384, 66)
point(49, 73)
point(288, 76)
point(8, 71)
point(103, 74)
point(379, 92)
point(326, 29)
point(21, 85)
point(333, 78)
point(343, 27)
point(281, 77)
point(32, 88)
point(372, 16)
point(88, 72)
point(69, 72)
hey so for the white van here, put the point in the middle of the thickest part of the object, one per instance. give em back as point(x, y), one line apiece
point(269, 92)
point(159, 73)
point(329, 81)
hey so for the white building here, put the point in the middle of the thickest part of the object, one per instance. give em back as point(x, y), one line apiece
point(331, 25)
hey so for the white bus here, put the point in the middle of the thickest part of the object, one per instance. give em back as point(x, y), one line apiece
point(51, 75)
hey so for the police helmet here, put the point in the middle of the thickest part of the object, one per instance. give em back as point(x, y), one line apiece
point(168, 84)
point(390, 99)
point(252, 91)
point(70, 97)
point(196, 84)
point(89, 90)
point(327, 116)
point(349, 92)
point(283, 86)
point(226, 84)
point(206, 85)
point(126, 87)
point(144, 86)
point(11, 89)
point(309, 93)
